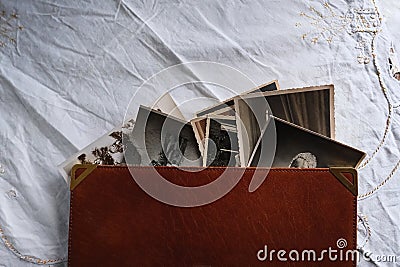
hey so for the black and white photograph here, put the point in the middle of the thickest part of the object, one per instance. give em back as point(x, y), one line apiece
point(394, 66)
point(159, 139)
point(309, 107)
point(106, 150)
point(297, 147)
point(221, 143)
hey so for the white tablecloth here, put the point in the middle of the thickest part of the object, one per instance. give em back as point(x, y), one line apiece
point(68, 78)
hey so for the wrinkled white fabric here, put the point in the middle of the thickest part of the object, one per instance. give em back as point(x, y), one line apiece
point(70, 75)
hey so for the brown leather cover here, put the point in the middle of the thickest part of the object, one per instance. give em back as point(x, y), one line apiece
point(113, 222)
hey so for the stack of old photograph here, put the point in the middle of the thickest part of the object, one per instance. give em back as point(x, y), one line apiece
point(263, 127)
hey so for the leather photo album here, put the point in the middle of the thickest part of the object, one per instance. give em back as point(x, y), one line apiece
point(296, 217)
point(236, 205)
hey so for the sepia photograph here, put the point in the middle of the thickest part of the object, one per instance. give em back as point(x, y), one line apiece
point(309, 107)
point(199, 126)
point(227, 107)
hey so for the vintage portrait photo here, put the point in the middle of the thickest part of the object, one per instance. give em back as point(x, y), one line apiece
point(161, 140)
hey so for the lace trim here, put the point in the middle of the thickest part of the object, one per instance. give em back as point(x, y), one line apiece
point(28, 258)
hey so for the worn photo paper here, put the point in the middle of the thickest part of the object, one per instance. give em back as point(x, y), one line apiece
point(297, 147)
point(221, 143)
point(227, 107)
point(109, 148)
point(161, 140)
point(308, 107)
